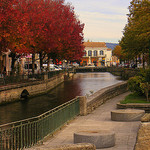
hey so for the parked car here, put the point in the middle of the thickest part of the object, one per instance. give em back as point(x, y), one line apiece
point(57, 68)
point(75, 64)
point(52, 67)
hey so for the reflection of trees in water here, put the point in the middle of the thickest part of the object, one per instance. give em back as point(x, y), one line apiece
point(96, 75)
point(80, 85)
point(67, 91)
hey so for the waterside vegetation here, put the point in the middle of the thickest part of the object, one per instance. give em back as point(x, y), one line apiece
point(139, 85)
point(134, 98)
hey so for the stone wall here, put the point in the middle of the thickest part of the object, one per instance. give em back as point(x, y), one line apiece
point(143, 137)
point(80, 146)
point(13, 92)
point(101, 96)
point(105, 94)
point(143, 106)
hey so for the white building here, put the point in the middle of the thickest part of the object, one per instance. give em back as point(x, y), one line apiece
point(97, 53)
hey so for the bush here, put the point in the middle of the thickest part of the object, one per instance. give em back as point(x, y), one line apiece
point(134, 84)
point(141, 83)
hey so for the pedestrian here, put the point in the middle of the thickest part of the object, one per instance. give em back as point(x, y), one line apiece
point(4, 71)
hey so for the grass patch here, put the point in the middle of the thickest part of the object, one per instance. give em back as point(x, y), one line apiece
point(134, 98)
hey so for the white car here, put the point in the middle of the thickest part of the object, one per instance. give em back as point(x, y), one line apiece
point(52, 67)
point(57, 67)
point(75, 64)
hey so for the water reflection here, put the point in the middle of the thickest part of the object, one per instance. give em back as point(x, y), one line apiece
point(80, 85)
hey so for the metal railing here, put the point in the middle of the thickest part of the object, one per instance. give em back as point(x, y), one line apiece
point(13, 79)
point(26, 133)
point(91, 69)
point(54, 73)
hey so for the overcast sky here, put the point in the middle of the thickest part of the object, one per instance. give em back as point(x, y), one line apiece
point(104, 19)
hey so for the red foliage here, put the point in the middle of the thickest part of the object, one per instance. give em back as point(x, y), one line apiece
point(33, 26)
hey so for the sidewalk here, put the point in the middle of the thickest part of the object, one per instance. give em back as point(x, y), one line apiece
point(100, 118)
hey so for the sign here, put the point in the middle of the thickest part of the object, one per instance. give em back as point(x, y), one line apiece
point(100, 59)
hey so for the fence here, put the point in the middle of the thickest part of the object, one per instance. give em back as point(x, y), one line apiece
point(11, 79)
point(26, 133)
point(91, 69)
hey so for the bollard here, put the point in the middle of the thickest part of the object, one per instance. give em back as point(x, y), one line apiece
point(83, 105)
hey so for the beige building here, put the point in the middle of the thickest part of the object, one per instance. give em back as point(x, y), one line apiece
point(5, 62)
point(97, 53)
point(115, 61)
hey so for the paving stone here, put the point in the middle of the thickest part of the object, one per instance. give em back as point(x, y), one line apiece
point(99, 119)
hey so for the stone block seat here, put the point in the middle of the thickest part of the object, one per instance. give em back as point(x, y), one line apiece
point(127, 115)
point(100, 138)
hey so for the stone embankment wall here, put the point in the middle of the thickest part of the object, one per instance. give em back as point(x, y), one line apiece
point(80, 146)
point(105, 94)
point(143, 137)
point(87, 105)
point(124, 73)
point(143, 106)
point(13, 92)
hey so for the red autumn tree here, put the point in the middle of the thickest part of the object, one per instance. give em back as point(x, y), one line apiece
point(7, 22)
point(9, 26)
point(41, 26)
point(68, 34)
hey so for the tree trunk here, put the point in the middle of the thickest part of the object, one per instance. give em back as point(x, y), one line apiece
point(33, 62)
point(41, 61)
point(149, 58)
point(1, 66)
point(13, 56)
point(48, 62)
point(139, 59)
point(136, 61)
point(143, 61)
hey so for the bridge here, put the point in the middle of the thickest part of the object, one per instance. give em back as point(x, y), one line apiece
point(48, 81)
point(124, 73)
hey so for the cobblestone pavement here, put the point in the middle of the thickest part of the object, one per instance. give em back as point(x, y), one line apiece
point(99, 119)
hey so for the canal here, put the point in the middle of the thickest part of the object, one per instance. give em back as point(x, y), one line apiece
point(81, 84)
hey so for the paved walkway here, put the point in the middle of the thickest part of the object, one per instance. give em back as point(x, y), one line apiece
point(100, 118)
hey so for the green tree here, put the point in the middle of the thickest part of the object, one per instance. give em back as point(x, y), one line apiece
point(141, 83)
point(136, 35)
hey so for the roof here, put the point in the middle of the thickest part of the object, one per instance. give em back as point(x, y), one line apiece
point(94, 44)
point(109, 49)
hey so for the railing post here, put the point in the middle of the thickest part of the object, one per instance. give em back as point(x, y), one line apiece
point(83, 105)
point(45, 76)
point(1, 141)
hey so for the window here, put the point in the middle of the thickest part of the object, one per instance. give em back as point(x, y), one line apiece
point(101, 52)
point(95, 53)
point(89, 53)
point(29, 66)
point(84, 53)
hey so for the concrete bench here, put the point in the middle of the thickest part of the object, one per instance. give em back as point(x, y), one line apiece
point(127, 115)
point(101, 139)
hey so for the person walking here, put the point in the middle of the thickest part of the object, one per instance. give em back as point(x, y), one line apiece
point(4, 71)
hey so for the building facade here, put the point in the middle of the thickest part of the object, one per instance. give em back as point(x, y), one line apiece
point(5, 63)
point(96, 53)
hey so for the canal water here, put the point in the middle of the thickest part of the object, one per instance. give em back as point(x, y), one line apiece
point(81, 84)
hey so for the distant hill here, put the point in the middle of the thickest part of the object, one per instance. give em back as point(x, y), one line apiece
point(111, 45)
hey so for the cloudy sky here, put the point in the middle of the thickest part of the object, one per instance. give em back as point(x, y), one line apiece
point(104, 19)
